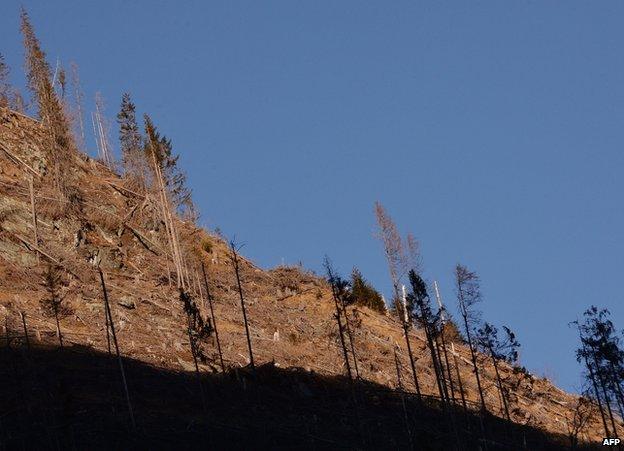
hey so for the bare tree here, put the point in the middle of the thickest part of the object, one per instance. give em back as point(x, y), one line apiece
point(236, 262)
point(419, 308)
point(393, 247)
point(159, 149)
point(342, 297)
point(398, 261)
point(212, 315)
point(111, 325)
point(468, 295)
point(584, 411)
point(5, 87)
point(505, 349)
point(78, 97)
point(101, 132)
point(198, 330)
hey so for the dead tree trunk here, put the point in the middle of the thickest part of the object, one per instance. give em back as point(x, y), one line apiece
point(120, 361)
point(499, 381)
point(459, 380)
point(168, 220)
point(350, 337)
point(341, 333)
point(475, 367)
point(406, 326)
point(607, 400)
point(212, 316)
point(448, 365)
point(58, 324)
point(242, 301)
point(23, 315)
point(400, 387)
point(193, 342)
point(33, 213)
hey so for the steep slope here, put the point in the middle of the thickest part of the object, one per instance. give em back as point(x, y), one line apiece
point(106, 222)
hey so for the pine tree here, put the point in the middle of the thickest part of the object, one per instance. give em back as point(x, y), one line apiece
point(50, 108)
point(167, 162)
point(363, 293)
point(604, 360)
point(418, 308)
point(133, 158)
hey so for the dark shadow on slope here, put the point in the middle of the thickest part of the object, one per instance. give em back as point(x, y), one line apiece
point(73, 398)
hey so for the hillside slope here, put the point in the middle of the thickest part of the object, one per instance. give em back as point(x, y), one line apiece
point(290, 310)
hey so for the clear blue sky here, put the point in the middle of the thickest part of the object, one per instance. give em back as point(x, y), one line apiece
point(492, 130)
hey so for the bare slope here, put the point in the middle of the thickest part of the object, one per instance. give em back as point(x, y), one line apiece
point(290, 310)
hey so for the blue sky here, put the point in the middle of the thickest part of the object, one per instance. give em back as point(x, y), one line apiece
point(491, 130)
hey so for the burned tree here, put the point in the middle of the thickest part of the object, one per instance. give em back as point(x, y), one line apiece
point(468, 295)
point(53, 305)
point(498, 349)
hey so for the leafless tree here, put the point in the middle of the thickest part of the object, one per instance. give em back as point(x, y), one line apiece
point(78, 97)
point(398, 264)
point(234, 248)
point(5, 87)
point(212, 315)
point(584, 411)
point(468, 295)
point(341, 296)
